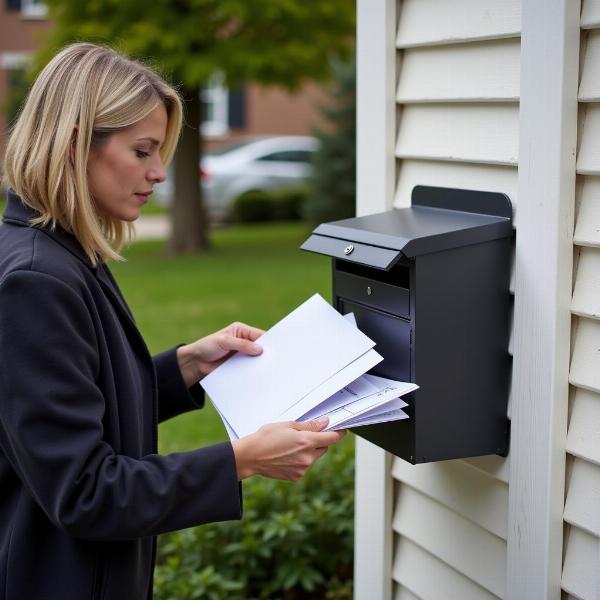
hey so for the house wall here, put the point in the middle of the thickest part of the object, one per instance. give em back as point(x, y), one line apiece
point(581, 570)
point(459, 531)
point(19, 34)
point(458, 106)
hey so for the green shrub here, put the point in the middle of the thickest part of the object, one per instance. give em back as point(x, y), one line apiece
point(252, 207)
point(262, 205)
point(295, 542)
point(287, 204)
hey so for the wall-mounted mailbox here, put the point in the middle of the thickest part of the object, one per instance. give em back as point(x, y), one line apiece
point(430, 285)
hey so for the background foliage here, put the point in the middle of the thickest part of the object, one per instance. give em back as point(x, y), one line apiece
point(273, 42)
point(294, 542)
point(333, 190)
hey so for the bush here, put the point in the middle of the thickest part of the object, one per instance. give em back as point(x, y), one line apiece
point(287, 204)
point(252, 207)
point(260, 205)
point(295, 542)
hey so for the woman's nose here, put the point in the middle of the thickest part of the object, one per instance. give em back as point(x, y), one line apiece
point(158, 172)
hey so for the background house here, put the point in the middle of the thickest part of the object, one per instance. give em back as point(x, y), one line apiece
point(495, 95)
point(230, 115)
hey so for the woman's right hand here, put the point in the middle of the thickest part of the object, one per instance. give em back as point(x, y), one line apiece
point(283, 450)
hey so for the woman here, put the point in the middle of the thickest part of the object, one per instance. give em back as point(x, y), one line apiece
point(83, 492)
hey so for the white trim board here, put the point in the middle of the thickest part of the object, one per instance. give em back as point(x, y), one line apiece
point(543, 276)
point(375, 179)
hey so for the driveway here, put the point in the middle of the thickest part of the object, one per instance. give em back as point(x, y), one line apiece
point(152, 227)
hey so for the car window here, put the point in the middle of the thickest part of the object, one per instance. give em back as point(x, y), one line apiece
point(297, 156)
point(225, 148)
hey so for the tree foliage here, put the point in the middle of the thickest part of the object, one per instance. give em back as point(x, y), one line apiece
point(268, 41)
point(333, 192)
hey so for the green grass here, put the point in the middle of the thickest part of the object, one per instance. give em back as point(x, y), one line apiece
point(255, 274)
point(2, 204)
point(154, 209)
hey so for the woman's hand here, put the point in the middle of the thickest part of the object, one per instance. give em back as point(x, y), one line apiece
point(283, 450)
point(204, 355)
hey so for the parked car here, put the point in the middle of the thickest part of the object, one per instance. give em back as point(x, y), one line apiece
point(266, 163)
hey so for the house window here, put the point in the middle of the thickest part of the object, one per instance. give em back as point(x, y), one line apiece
point(32, 9)
point(222, 109)
point(215, 113)
point(35, 9)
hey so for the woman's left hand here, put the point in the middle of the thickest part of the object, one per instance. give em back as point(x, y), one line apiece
point(204, 355)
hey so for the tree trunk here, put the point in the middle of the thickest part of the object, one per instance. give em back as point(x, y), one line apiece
point(190, 225)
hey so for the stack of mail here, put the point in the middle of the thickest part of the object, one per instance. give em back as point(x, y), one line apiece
point(313, 364)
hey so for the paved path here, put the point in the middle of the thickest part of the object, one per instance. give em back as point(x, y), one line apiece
point(152, 227)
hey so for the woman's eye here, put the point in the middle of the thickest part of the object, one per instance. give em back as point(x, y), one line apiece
point(142, 154)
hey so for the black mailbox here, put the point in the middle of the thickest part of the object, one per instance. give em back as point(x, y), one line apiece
point(430, 285)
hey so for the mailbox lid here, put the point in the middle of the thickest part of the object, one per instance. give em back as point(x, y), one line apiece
point(353, 251)
point(439, 219)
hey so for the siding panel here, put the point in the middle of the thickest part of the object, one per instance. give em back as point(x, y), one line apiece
point(460, 132)
point(583, 439)
point(581, 548)
point(585, 364)
point(586, 295)
point(583, 497)
point(401, 593)
point(590, 14)
point(473, 176)
point(458, 127)
point(587, 229)
point(493, 465)
point(441, 532)
point(581, 569)
point(424, 22)
point(588, 159)
point(589, 86)
point(476, 71)
point(413, 567)
point(466, 490)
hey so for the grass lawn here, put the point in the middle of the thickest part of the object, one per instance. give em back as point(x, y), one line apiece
point(149, 209)
point(254, 273)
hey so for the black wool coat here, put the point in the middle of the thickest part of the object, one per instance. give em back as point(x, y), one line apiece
point(82, 490)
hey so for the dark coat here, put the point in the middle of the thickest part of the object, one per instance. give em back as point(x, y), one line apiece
point(82, 490)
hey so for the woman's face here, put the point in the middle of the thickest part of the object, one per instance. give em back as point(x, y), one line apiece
point(123, 170)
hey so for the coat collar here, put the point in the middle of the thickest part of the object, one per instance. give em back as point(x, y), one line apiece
point(19, 213)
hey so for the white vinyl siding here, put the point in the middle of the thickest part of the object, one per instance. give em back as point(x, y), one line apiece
point(581, 567)
point(458, 126)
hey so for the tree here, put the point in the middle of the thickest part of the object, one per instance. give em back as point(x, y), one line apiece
point(333, 192)
point(269, 41)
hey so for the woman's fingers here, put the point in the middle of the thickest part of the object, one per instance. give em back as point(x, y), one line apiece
point(244, 331)
point(231, 343)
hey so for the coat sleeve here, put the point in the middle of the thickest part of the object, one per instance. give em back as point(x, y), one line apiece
point(51, 411)
point(174, 397)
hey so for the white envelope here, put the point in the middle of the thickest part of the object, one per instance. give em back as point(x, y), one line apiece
point(300, 352)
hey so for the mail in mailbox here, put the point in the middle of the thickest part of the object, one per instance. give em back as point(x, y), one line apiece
point(430, 285)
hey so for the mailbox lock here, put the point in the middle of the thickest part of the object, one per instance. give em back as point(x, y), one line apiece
point(369, 290)
point(348, 249)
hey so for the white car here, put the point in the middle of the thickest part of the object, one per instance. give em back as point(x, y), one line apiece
point(267, 163)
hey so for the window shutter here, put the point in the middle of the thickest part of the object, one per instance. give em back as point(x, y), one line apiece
point(237, 108)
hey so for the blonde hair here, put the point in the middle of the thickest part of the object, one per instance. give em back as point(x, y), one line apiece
point(82, 96)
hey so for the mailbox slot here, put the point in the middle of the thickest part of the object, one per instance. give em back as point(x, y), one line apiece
point(386, 290)
point(393, 333)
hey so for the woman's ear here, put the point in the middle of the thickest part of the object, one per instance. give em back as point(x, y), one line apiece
point(73, 144)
